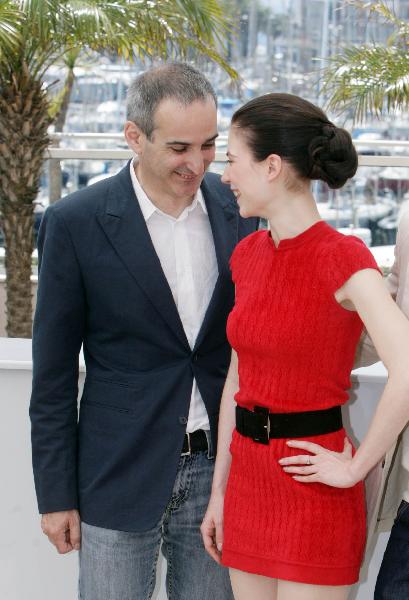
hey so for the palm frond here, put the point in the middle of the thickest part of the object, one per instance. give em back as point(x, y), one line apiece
point(161, 28)
point(10, 21)
point(370, 79)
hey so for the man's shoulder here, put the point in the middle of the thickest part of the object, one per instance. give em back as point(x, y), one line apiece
point(88, 200)
point(83, 200)
point(403, 226)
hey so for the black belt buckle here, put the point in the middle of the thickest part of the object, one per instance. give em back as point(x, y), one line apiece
point(263, 425)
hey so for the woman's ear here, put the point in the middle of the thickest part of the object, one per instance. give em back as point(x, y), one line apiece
point(274, 166)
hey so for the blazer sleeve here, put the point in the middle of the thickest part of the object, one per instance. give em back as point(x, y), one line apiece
point(57, 338)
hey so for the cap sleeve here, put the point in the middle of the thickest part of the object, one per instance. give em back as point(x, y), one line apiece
point(348, 256)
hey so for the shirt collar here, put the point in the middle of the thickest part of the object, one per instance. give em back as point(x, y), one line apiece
point(147, 206)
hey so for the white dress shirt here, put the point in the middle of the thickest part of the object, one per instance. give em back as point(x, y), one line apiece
point(186, 252)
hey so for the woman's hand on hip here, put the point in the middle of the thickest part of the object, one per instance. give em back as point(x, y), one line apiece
point(321, 465)
point(212, 526)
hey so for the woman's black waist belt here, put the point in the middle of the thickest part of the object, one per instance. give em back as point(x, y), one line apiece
point(262, 425)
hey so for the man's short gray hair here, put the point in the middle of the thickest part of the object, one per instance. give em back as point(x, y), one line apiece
point(180, 81)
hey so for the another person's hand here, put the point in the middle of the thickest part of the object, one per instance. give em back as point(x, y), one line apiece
point(212, 527)
point(321, 465)
point(63, 529)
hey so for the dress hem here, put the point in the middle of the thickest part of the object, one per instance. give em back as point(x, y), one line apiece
point(300, 573)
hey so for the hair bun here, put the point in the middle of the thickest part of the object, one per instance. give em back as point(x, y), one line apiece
point(332, 156)
point(328, 130)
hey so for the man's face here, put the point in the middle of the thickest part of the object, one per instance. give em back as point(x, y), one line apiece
point(172, 163)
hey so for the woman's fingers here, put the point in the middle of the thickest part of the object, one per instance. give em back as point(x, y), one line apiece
point(307, 478)
point(208, 531)
point(302, 459)
point(301, 470)
point(321, 466)
point(309, 446)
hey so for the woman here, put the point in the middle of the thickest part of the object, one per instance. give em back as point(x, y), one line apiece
point(291, 485)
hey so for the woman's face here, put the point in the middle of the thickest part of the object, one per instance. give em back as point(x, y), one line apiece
point(246, 177)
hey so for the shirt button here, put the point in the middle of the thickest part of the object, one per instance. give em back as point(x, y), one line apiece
point(182, 420)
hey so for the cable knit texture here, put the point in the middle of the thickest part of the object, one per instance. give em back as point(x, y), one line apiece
point(296, 347)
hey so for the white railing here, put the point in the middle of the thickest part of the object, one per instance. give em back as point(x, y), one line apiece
point(124, 154)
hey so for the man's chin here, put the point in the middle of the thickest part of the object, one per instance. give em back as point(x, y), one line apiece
point(189, 185)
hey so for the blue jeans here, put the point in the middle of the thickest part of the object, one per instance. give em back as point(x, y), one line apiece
point(119, 565)
point(393, 578)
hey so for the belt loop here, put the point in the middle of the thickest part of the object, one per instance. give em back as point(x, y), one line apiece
point(189, 451)
point(210, 454)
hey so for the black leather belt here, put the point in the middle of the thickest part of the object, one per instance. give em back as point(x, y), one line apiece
point(194, 442)
point(261, 425)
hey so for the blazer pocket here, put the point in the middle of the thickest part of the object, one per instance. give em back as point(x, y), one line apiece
point(119, 397)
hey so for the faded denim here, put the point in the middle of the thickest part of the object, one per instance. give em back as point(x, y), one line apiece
point(118, 565)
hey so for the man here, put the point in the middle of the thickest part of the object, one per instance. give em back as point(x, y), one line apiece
point(136, 269)
point(393, 495)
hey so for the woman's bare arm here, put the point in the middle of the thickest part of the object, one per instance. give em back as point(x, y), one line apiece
point(389, 330)
point(212, 526)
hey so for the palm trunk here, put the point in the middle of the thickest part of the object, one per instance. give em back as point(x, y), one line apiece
point(54, 167)
point(24, 122)
point(18, 234)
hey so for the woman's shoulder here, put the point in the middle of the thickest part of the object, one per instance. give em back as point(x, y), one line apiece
point(344, 255)
point(336, 246)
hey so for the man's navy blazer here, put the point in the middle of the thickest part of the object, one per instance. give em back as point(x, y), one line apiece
point(101, 285)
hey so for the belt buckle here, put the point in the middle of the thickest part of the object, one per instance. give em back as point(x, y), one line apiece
point(264, 436)
point(189, 452)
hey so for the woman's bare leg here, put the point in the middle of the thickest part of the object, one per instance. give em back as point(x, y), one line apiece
point(289, 590)
point(247, 586)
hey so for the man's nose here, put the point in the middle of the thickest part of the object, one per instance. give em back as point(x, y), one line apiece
point(196, 164)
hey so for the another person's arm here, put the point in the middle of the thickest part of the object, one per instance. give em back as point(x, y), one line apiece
point(212, 526)
point(389, 330)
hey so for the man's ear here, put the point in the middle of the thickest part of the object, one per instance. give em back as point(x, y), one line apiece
point(134, 136)
point(274, 166)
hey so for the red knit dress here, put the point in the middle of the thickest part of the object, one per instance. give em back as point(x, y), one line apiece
point(295, 346)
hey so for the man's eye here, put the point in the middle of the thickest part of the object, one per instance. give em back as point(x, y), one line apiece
point(208, 146)
point(179, 150)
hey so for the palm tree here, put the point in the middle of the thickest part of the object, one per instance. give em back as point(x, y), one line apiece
point(372, 78)
point(35, 34)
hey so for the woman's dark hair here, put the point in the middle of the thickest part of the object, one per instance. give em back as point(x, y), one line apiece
point(301, 134)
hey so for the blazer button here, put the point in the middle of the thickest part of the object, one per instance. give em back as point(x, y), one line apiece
point(195, 357)
point(182, 420)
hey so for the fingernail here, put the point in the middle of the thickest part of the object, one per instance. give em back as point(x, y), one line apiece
point(77, 546)
point(219, 547)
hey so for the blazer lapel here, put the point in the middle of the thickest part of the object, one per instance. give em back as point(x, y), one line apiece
point(224, 222)
point(126, 229)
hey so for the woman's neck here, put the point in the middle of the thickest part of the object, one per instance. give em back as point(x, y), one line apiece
point(292, 216)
